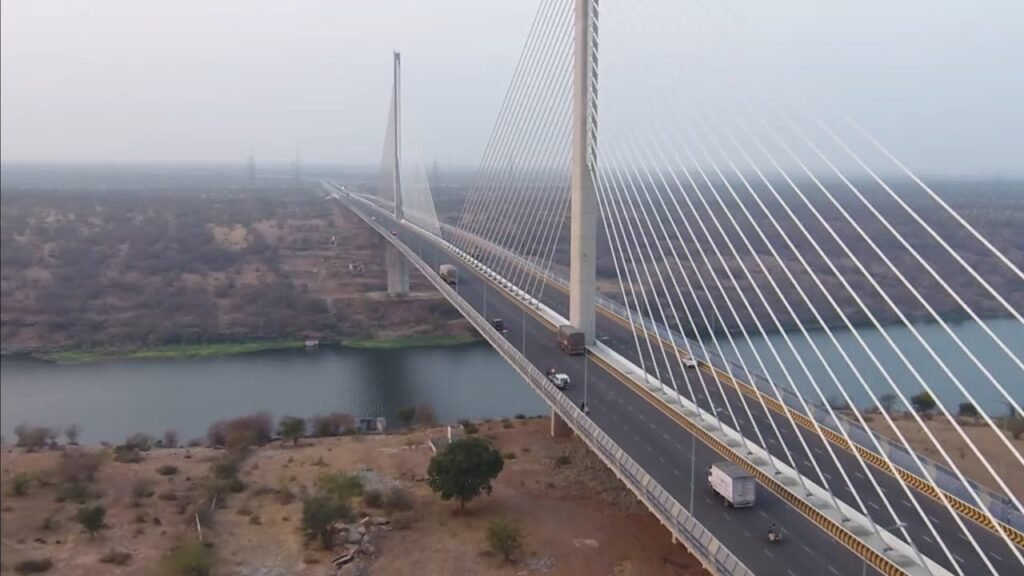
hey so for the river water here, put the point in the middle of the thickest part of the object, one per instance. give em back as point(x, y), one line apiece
point(113, 399)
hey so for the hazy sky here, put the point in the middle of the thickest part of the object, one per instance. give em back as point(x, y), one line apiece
point(939, 81)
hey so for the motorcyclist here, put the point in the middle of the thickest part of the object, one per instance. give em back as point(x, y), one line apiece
point(773, 532)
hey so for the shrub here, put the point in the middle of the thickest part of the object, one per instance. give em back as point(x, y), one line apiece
point(169, 496)
point(126, 455)
point(171, 439)
point(406, 414)
point(967, 410)
point(1016, 426)
point(21, 483)
point(505, 537)
point(923, 402)
point(72, 433)
point(189, 558)
point(116, 557)
point(398, 499)
point(470, 428)
point(252, 430)
point(139, 441)
point(33, 566)
point(167, 470)
point(373, 499)
point(49, 524)
point(33, 438)
point(79, 467)
point(92, 519)
point(343, 487)
point(506, 424)
point(509, 455)
point(291, 428)
point(562, 460)
point(319, 513)
point(333, 424)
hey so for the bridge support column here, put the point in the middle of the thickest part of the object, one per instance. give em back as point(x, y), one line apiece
point(583, 204)
point(559, 429)
point(398, 271)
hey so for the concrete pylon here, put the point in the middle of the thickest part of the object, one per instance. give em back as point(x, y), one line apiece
point(396, 100)
point(583, 203)
point(398, 271)
point(398, 267)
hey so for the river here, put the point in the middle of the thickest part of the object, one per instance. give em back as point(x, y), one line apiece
point(113, 399)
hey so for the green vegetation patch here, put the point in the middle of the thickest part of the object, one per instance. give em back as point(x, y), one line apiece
point(170, 352)
point(410, 341)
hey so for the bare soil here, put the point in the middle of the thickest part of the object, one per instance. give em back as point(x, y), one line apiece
point(578, 519)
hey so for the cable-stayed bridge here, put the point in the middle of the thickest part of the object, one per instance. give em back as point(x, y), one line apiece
point(697, 224)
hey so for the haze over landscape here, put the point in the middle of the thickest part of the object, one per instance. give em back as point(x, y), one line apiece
point(566, 287)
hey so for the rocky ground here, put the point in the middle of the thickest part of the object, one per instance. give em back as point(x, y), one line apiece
point(576, 517)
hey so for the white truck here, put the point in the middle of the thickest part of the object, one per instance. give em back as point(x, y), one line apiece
point(734, 484)
point(448, 273)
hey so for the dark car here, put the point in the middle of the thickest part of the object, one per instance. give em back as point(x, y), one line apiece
point(498, 324)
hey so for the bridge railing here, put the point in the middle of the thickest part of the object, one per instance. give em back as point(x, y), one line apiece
point(1001, 507)
point(701, 542)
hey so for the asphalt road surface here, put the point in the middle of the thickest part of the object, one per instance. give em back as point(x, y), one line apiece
point(671, 456)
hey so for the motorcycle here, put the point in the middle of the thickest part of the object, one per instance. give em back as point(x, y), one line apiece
point(774, 536)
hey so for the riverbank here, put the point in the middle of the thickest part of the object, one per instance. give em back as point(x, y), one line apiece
point(411, 341)
point(217, 349)
point(576, 517)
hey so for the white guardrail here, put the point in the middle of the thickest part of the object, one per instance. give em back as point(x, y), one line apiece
point(715, 557)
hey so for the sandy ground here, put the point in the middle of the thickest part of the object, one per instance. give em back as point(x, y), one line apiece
point(577, 518)
point(983, 437)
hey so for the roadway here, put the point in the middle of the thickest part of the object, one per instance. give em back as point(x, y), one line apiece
point(613, 401)
point(667, 452)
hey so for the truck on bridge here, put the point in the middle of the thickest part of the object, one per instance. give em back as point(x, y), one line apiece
point(571, 340)
point(734, 484)
point(448, 273)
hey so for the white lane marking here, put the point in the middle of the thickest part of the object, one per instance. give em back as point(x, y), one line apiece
point(875, 506)
point(961, 560)
point(927, 539)
point(767, 553)
point(809, 551)
point(762, 513)
point(665, 436)
point(996, 556)
point(662, 459)
point(676, 472)
point(858, 474)
point(833, 570)
point(819, 450)
point(747, 532)
point(791, 573)
point(648, 448)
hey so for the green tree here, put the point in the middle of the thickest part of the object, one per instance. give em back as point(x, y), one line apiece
point(406, 414)
point(292, 428)
point(189, 558)
point(319, 513)
point(92, 519)
point(887, 401)
point(464, 469)
point(340, 486)
point(505, 537)
point(967, 410)
point(923, 402)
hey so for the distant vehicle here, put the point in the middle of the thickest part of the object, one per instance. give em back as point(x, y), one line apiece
point(498, 324)
point(570, 340)
point(561, 381)
point(689, 362)
point(448, 273)
point(734, 484)
point(394, 232)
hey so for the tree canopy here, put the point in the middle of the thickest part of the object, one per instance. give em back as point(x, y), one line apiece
point(464, 469)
